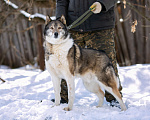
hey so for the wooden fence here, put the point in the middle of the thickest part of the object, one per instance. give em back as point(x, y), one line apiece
point(19, 46)
point(133, 48)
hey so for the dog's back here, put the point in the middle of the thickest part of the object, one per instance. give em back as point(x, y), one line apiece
point(82, 60)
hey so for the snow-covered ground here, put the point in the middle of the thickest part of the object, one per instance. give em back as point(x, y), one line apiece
point(27, 94)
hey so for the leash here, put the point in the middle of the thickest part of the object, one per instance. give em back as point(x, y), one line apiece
point(82, 18)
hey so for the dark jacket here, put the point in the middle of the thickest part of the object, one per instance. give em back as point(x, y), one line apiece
point(73, 9)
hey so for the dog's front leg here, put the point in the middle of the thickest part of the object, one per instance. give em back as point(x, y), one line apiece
point(56, 83)
point(71, 92)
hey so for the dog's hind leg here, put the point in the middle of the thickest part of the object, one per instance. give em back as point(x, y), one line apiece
point(115, 92)
point(110, 83)
point(113, 89)
point(91, 84)
point(100, 95)
point(117, 95)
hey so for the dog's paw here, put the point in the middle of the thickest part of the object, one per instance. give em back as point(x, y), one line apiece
point(54, 105)
point(67, 109)
point(57, 104)
point(98, 106)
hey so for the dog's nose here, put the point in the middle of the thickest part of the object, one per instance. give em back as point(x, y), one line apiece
point(56, 34)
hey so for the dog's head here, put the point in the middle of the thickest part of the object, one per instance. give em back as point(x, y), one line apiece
point(55, 31)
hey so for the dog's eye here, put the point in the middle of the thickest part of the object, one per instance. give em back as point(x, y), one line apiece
point(59, 27)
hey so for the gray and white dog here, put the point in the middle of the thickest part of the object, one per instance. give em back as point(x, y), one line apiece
point(66, 60)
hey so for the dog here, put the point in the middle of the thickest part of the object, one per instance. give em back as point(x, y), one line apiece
point(66, 60)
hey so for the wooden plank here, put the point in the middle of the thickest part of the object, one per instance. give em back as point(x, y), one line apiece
point(6, 44)
point(147, 33)
point(139, 35)
point(20, 41)
point(35, 45)
point(119, 54)
point(1, 49)
point(16, 49)
point(129, 36)
point(12, 51)
point(2, 55)
point(27, 41)
point(122, 41)
point(41, 50)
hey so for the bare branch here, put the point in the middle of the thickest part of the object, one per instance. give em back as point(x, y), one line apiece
point(137, 11)
point(20, 14)
point(23, 14)
point(42, 3)
point(2, 80)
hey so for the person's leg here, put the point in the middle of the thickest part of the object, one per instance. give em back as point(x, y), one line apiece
point(64, 92)
point(79, 38)
point(104, 40)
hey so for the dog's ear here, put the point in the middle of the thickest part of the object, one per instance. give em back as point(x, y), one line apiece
point(48, 19)
point(63, 20)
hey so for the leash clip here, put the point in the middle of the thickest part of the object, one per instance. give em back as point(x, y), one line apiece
point(92, 7)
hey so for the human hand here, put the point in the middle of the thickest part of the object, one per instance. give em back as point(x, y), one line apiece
point(98, 7)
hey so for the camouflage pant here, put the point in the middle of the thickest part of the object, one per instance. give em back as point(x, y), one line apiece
point(99, 40)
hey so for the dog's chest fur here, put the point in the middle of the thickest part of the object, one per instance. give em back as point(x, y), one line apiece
point(58, 56)
point(58, 59)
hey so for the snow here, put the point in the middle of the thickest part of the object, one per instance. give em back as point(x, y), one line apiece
point(27, 94)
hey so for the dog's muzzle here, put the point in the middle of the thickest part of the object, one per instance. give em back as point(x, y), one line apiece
point(56, 35)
